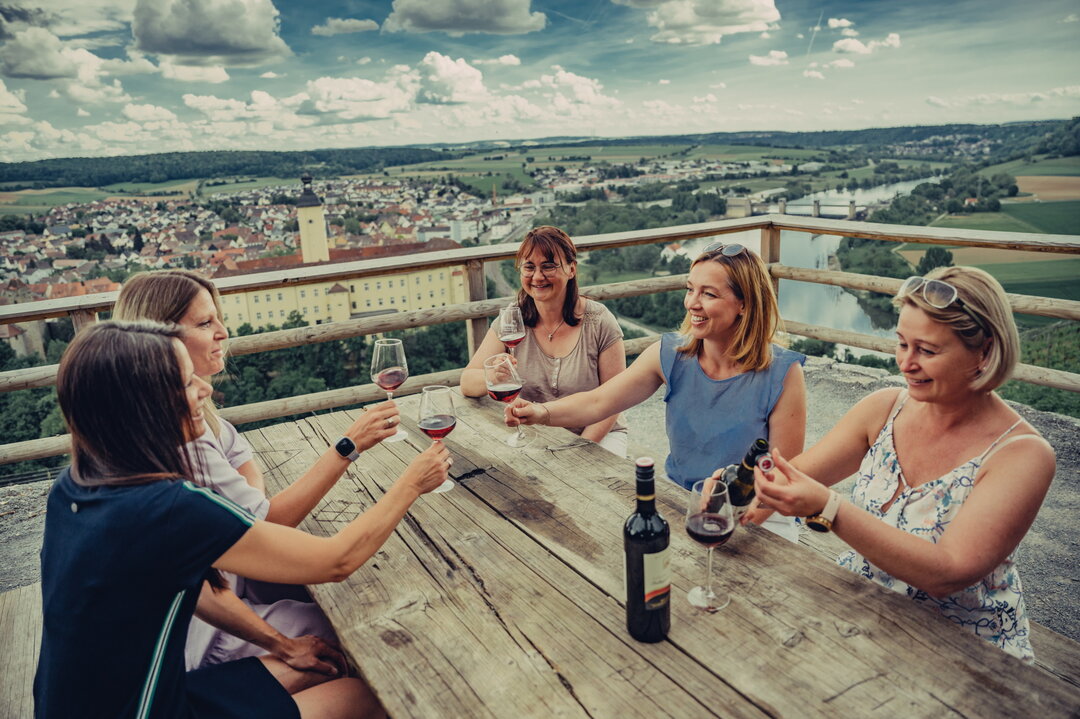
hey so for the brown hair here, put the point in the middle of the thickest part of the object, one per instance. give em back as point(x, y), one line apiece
point(756, 327)
point(166, 296)
point(983, 296)
point(554, 244)
point(123, 398)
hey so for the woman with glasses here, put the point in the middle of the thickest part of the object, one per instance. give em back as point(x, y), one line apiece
point(727, 383)
point(949, 477)
point(572, 344)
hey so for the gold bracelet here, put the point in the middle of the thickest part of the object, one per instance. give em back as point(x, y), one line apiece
point(547, 414)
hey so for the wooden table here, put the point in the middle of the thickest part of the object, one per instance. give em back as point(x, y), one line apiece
point(504, 598)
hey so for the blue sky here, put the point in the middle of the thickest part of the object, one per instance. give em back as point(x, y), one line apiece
point(108, 77)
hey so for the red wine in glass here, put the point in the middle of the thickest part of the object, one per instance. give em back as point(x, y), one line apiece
point(391, 378)
point(710, 530)
point(504, 392)
point(512, 339)
point(438, 426)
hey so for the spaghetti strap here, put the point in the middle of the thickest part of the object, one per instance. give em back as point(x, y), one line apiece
point(901, 398)
point(992, 449)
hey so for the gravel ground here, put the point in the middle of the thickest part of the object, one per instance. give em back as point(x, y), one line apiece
point(1047, 557)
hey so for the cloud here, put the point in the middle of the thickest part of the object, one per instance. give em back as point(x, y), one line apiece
point(502, 60)
point(458, 17)
point(14, 18)
point(775, 57)
point(148, 113)
point(708, 98)
point(12, 106)
point(663, 82)
point(582, 90)
point(66, 18)
point(1073, 17)
point(270, 75)
point(706, 22)
point(37, 54)
point(209, 32)
point(857, 47)
point(82, 113)
point(718, 86)
point(848, 32)
point(839, 22)
point(191, 73)
point(357, 98)
point(363, 61)
point(344, 26)
point(444, 81)
point(936, 101)
point(813, 74)
point(1020, 99)
point(842, 62)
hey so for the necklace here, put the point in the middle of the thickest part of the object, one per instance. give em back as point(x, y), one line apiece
point(552, 333)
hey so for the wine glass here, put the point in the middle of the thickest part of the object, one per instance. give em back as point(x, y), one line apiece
point(709, 522)
point(389, 370)
point(504, 384)
point(437, 419)
point(510, 327)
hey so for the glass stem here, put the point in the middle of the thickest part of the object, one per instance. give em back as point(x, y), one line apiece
point(389, 395)
point(708, 572)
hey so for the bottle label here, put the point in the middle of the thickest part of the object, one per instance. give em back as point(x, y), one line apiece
point(657, 578)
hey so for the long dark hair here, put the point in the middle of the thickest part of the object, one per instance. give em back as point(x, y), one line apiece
point(555, 245)
point(123, 398)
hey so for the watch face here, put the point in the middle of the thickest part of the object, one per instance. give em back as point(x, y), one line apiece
point(818, 524)
point(345, 447)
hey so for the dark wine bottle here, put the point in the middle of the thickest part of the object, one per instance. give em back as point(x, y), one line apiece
point(648, 569)
point(740, 478)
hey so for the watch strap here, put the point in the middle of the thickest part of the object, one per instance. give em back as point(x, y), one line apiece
point(823, 520)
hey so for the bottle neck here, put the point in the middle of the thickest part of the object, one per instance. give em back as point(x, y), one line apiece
point(646, 496)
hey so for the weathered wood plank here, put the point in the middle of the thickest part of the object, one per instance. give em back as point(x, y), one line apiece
point(20, 638)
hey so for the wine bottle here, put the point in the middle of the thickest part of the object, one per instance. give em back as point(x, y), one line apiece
point(648, 569)
point(740, 478)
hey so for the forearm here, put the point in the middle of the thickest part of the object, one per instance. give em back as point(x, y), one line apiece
point(226, 611)
point(358, 541)
point(598, 430)
point(292, 504)
point(472, 383)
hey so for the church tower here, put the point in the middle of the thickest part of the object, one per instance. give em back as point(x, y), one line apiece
point(314, 246)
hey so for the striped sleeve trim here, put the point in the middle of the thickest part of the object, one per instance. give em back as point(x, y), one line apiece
point(146, 699)
point(242, 514)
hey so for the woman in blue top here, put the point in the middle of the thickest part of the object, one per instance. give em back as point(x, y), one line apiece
point(727, 383)
point(129, 541)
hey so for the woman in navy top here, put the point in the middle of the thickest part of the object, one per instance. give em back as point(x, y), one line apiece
point(727, 383)
point(129, 541)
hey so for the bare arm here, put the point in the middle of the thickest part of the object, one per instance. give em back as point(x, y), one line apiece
point(787, 421)
point(292, 504)
point(472, 378)
point(988, 527)
point(621, 392)
point(611, 362)
point(226, 611)
point(254, 476)
point(275, 553)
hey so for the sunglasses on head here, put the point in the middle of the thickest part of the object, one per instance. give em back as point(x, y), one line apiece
point(939, 294)
point(723, 250)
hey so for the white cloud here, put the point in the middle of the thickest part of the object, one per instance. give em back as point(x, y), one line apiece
point(357, 98)
point(457, 17)
point(1018, 99)
point(706, 22)
point(857, 47)
point(12, 106)
point(800, 36)
point(147, 113)
point(663, 82)
point(936, 101)
point(447, 81)
point(813, 74)
point(344, 26)
point(719, 86)
point(583, 90)
point(270, 75)
point(502, 60)
point(841, 62)
point(363, 61)
point(1073, 17)
point(192, 73)
point(848, 32)
point(209, 32)
point(706, 99)
point(765, 36)
point(839, 22)
point(82, 113)
point(37, 54)
point(66, 18)
point(775, 57)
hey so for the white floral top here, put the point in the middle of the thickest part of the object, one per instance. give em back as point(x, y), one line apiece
point(993, 608)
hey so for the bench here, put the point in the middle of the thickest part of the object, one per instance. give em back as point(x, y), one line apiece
point(20, 639)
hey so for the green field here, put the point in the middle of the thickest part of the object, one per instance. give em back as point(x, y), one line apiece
point(38, 202)
point(251, 184)
point(136, 188)
point(1057, 218)
point(996, 221)
point(1068, 166)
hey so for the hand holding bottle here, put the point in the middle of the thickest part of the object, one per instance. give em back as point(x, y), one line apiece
point(790, 491)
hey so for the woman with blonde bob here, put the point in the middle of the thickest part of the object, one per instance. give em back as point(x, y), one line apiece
point(727, 382)
point(949, 477)
point(131, 538)
point(271, 618)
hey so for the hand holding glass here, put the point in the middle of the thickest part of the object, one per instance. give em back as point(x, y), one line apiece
point(438, 419)
point(709, 521)
point(389, 370)
point(504, 384)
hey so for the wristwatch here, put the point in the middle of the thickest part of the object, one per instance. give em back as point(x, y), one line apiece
point(823, 520)
point(347, 449)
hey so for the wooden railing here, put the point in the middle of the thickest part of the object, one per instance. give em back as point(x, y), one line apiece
point(474, 313)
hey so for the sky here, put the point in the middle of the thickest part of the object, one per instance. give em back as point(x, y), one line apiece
point(85, 78)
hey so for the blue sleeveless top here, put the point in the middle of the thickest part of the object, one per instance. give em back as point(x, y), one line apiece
point(712, 423)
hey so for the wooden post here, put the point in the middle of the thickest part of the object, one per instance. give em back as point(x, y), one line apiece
point(770, 251)
point(476, 289)
point(82, 318)
point(783, 205)
point(817, 208)
point(851, 210)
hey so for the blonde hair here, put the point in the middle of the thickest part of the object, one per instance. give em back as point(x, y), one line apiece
point(984, 297)
point(757, 325)
point(166, 296)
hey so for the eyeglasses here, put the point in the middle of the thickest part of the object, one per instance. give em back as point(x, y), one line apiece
point(547, 269)
point(939, 294)
point(724, 250)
